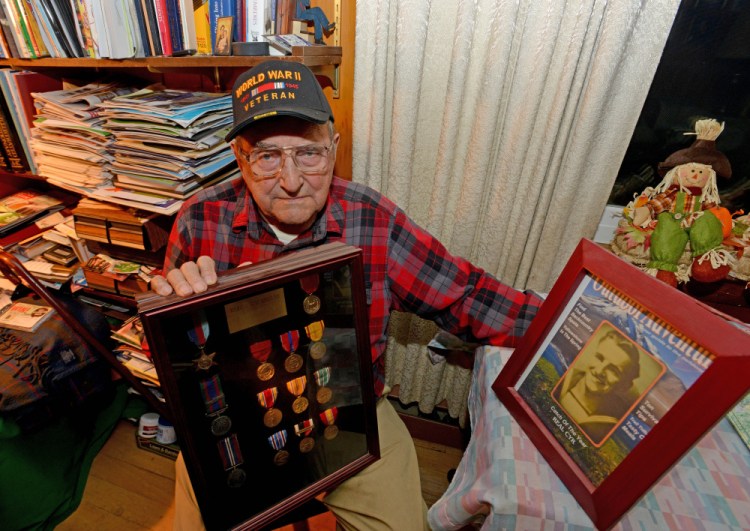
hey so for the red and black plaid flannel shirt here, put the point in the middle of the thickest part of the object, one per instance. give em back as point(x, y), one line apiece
point(405, 268)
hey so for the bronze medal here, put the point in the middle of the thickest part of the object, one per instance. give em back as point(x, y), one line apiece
point(323, 395)
point(221, 425)
point(306, 445)
point(311, 304)
point(204, 361)
point(236, 478)
point(272, 417)
point(281, 458)
point(317, 350)
point(331, 432)
point(300, 404)
point(293, 363)
point(265, 371)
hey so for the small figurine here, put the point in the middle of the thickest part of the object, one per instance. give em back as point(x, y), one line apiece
point(316, 16)
point(676, 229)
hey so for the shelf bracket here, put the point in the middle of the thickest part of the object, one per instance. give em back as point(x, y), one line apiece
point(336, 42)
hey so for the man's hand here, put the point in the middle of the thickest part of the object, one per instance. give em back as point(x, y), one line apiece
point(191, 277)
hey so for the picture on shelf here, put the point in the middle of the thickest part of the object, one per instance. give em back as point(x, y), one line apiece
point(224, 26)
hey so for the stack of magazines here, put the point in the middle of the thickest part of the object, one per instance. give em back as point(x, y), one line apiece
point(71, 149)
point(168, 144)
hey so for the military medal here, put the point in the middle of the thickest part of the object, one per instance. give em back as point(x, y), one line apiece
point(303, 429)
point(297, 387)
point(322, 377)
point(315, 332)
point(216, 405)
point(231, 458)
point(260, 351)
point(309, 284)
point(290, 342)
point(198, 336)
point(328, 417)
point(277, 442)
point(267, 398)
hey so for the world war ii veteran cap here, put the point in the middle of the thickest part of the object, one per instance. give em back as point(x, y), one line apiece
point(277, 88)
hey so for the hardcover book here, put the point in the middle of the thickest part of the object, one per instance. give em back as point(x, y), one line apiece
point(269, 378)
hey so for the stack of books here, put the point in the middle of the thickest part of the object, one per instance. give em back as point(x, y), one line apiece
point(121, 226)
point(71, 149)
point(168, 144)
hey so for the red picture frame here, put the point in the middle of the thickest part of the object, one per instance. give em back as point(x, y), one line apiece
point(691, 370)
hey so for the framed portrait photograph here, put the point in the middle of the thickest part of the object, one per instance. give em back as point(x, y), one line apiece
point(224, 28)
point(268, 381)
point(618, 377)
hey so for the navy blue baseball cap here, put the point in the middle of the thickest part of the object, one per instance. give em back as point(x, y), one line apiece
point(277, 88)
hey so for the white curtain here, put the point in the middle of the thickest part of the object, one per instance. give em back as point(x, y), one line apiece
point(499, 125)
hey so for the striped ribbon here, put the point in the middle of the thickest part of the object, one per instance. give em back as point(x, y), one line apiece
point(267, 397)
point(213, 394)
point(315, 330)
point(229, 450)
point(297, 386)
point(277, 440)
point(322, 376)
point(328, 416)
point(304, 427)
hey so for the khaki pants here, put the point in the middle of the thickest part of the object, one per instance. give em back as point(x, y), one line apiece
point(387, 495)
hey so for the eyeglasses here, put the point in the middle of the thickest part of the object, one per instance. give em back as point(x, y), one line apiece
point(267, 162)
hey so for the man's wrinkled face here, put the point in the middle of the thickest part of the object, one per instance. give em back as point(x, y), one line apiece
point(291, 199)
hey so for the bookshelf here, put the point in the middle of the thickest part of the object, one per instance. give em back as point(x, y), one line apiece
point(332, 63)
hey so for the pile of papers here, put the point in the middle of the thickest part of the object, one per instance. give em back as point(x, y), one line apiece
point(71, 149)
point(168, 144)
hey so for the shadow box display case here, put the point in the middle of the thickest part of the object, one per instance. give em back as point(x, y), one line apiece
point(268, 377)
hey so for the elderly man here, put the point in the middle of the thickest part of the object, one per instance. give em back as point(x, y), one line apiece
point(285, 144)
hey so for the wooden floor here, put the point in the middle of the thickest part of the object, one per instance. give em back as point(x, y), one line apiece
point(132, 489)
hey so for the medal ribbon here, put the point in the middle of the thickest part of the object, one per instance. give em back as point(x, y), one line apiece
point(213, 394)
point(322, 376)
point(229, 450)
point(328, 416)
point(304, 427)
point(267, 397)
point(309, 283)
point(290, 340)
point(297, 386)
point(261, 350)
point(277, 440)
point(315, 330)
point(199, 333)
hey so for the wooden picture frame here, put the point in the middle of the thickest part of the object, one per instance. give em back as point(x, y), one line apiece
point(268, 380)
point(224, 28)
point(601, 316)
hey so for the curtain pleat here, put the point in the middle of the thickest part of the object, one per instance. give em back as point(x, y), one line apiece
point(499, 125)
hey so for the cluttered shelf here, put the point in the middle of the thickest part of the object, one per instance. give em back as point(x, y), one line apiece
point(309, 55)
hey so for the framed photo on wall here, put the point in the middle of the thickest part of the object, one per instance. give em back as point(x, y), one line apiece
point(268, 379)
point(618, 376)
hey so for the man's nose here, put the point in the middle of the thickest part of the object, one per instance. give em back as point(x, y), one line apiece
point(290, 177)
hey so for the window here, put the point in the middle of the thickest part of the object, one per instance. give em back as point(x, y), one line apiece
point(704, 72)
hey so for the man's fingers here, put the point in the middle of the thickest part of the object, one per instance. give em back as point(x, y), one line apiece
point(161, 286)
point(207, 268)
point(193, 276)
point(180, 284)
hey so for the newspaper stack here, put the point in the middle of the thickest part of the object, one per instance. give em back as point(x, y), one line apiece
point(168, 144)
point(70, 146)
